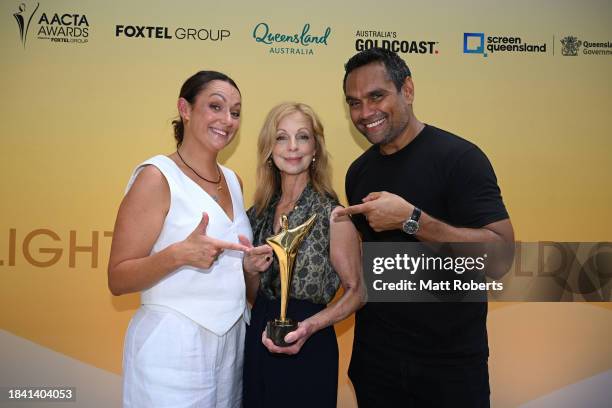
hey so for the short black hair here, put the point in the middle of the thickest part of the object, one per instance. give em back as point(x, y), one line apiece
point(396, 68)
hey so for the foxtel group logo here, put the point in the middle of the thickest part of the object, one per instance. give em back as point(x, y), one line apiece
point(166, 33)
point(478, 43)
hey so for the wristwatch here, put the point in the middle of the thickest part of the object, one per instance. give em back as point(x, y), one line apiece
point(411, 225)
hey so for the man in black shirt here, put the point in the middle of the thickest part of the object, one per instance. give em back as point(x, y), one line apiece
point(417, 183)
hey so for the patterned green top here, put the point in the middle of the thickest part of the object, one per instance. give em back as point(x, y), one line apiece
point(314, 278)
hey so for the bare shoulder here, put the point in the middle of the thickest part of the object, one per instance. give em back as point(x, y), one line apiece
point(150, 176)
point(150, 188)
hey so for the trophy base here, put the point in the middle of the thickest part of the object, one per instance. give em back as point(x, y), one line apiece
point(276, 330)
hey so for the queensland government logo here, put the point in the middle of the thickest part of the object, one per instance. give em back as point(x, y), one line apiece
point(57, 27)
point(168, 33)
point(478, 43)
point(366, 39)
point(302, 42)
point(570, 47)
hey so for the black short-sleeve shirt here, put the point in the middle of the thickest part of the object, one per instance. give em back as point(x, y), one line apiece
point(452, 180)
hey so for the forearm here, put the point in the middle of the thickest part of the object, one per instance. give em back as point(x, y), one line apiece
point(386, 211)
point(251, 281)
point(345, 257)
point(353, 298)
point(433, 230)
point(135, 275)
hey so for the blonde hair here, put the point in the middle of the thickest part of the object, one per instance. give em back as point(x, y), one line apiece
point(268, 176)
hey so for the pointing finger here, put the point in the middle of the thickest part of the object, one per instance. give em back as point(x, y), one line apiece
point(245, 241)
point(355, 209)
point(372, 196)
point(228, 245)
point(261, 250)
point(339, 212)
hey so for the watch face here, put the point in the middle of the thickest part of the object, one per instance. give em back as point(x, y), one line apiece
point(411, 227)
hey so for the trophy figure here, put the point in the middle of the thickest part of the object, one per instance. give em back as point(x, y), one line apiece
point(285, 245)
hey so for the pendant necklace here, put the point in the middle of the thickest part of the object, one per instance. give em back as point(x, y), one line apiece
point(217, 182)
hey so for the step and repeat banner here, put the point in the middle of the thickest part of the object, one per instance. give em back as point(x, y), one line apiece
point(89, 90)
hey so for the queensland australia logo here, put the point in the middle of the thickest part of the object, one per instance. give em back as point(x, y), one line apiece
point(479, 43)
point(167, 33)
point(571, 47)
point(302, 42)
point(366, 39)
point(56, 27)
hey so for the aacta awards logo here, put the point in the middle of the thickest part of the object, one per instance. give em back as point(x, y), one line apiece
point(23, 21)
point(66, 28)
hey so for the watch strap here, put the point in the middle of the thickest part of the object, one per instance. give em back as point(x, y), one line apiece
point(416, 214)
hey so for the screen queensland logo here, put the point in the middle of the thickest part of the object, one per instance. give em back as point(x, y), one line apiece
point(303, 41)
point(485, 45)
point(391, 40)
point(55, 26)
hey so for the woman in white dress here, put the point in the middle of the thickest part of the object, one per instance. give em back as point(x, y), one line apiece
point(179, 239)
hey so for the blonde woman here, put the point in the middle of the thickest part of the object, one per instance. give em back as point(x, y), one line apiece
point(294, 179)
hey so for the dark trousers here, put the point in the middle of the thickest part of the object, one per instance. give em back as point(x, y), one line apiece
point(402, 382)
point(308, 379)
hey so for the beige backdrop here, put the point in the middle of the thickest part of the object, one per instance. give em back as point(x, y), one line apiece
point(81, 107)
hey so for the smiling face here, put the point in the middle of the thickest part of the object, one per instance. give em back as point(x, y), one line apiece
point(378, 110)
point(295, 144)
point(214, 117)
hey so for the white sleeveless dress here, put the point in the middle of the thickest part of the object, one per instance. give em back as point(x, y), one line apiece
point(184, 346)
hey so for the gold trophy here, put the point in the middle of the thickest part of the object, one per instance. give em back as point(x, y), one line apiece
point(285, 245)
